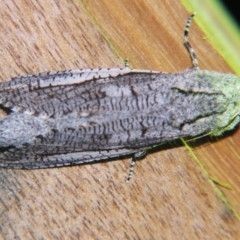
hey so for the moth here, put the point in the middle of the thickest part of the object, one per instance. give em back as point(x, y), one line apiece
point(83, 116)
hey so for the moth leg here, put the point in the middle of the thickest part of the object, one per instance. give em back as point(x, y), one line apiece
point(187, 44)
point(126, 63)
point(133, 162)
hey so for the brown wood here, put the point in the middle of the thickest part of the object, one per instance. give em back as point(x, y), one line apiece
point(169, 197)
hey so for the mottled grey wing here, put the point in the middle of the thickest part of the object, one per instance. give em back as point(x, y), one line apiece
point(64, 118)
point(30, 143)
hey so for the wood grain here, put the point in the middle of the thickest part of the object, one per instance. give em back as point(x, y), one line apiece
point(169, 196)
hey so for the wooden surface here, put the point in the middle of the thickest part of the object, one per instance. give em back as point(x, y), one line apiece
point(169, 196)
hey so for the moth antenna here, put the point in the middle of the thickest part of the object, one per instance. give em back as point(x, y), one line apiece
point(126, 63)
point(187, 44)
point(131, 169)
point(133, 163)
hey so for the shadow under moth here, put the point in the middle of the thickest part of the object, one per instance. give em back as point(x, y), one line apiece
point(82, 116)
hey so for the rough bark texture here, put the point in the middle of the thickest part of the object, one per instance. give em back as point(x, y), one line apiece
point(169, 195)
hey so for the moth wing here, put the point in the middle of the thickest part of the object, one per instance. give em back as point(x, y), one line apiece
point(39, 156)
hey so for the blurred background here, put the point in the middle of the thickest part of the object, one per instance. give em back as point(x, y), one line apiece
point(233, 9)
point(220, 22)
